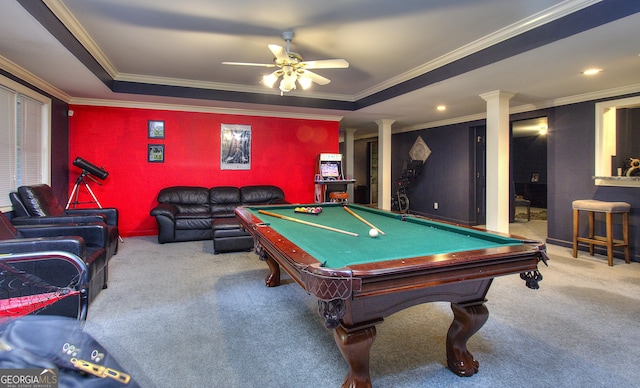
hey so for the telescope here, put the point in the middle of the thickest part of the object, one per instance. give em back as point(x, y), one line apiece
point(90, 168)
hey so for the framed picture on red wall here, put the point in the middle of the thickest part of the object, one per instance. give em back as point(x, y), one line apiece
point(155, 153)
point(156, 129)
point(235, 147)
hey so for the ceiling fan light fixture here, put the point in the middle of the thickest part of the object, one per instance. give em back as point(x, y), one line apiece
point(270, 79)
point(292, 68)
point(305, 82)
point(288, 82)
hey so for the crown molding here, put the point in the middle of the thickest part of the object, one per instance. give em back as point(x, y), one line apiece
point(548, 15)
point(71, 23)
point(607, 93)
point(201, 109)
point(154, 80)
point(593, 96)
point(32, 79)
point(442, 123)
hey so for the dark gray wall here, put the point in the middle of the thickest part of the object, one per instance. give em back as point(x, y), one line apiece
point(571, 160)
point(446, 177)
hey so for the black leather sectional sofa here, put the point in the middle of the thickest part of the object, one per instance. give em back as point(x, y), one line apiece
point(186, 213)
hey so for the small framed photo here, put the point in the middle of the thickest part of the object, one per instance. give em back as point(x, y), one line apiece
point(155, 153)
point(535, 177)
point(156, 129)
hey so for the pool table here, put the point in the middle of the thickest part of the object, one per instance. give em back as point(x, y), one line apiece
point(358, 280)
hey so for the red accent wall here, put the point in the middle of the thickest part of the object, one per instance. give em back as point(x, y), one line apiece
point(283, 153)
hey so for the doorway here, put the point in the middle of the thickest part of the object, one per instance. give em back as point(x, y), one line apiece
point(373, 172)
point(529, 166)
point(479, 170)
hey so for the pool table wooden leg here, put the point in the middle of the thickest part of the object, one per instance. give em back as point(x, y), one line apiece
point(273, 279)
point(355, 348)
point(467, 320)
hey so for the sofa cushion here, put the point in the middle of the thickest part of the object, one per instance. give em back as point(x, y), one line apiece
point(224, 199)
point(188, 221)
point(188, 199)
point(262, 195)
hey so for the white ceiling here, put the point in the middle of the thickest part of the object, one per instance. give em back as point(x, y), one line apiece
point(183, 43)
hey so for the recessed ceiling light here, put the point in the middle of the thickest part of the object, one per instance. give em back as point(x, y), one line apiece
point(591, 71)
point(441, 107)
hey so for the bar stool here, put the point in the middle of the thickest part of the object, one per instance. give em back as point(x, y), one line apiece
point(609, 208)
point(338, 196)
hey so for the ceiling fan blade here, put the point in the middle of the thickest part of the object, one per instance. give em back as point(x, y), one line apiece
point(325, 64)
point(320, 80)
point(249, 64)
point(279, 52)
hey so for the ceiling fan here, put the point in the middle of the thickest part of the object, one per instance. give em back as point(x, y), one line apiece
point(292, 68)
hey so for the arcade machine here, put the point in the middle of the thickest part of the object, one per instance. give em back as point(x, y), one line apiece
point(329, 179)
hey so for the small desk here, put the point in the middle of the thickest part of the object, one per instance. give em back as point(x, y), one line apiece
point(360, 280)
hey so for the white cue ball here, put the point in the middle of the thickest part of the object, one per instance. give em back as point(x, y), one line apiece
point(373, 233)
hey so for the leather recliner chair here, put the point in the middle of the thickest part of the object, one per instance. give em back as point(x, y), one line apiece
point(20, 272)
point(87, 241)
point(37, 204)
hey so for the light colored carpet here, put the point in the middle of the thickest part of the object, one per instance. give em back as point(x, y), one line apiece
point(536, 214)
point(176, 315)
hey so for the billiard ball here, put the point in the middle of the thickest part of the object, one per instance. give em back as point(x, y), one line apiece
point(373, 233)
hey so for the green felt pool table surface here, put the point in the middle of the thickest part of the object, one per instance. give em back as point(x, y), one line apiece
point(404, 236)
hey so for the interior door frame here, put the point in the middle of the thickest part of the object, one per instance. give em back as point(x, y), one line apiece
point(478, 177)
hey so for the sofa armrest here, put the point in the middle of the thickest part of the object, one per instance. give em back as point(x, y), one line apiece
point(94, 234)
point(165, 209)
point(70, 244)
point(110, 214)
point(48, 220)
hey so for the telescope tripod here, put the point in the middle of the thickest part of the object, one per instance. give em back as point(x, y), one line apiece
point(73, 198)
point(76, 191)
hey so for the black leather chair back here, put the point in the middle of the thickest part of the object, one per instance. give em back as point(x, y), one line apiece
point(19, 210)
point(39, 200)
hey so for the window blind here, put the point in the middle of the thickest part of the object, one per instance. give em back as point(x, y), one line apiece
point(30, 144)
point(23, 141)
point(8, 100)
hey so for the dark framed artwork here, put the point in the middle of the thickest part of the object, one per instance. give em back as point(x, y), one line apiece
point(155, 153)
point(235, 147)
point(535, 177)
point(155, 129)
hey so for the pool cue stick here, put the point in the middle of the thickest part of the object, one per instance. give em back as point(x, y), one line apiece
point(307, 223)
point(363, 220)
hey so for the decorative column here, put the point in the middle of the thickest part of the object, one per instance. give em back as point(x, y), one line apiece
point(498, 159)
point(384, 164)
point(349, 159)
